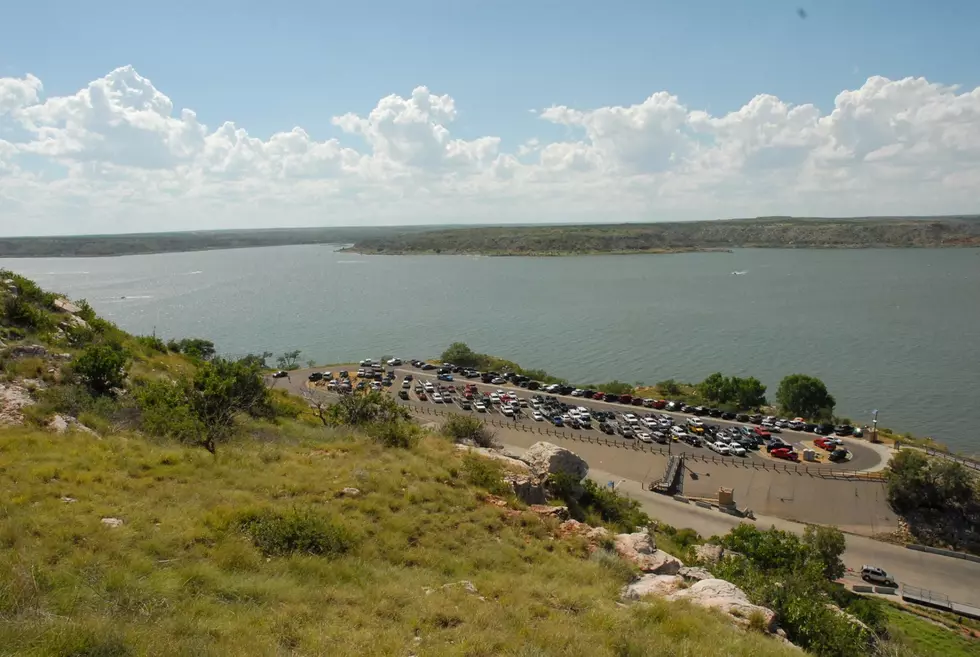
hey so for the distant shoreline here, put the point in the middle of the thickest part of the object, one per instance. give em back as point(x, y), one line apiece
point(541, 254)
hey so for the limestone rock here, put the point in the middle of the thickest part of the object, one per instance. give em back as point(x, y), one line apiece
point(112, 522)
point(640, 549)
point(350, 492)
point(659, 585)
point(548, 511)
point(713, 553)
point(597, 534)
point(528, 488)
point(13, 398)
point(28, 350)
point(689, 572)
point(513, 463)
point(464, 584)
point(58, 424)
point(66, 306)
point(726, 597)
point(547, 458)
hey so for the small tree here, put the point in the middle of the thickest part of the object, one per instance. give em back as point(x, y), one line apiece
point(669, 387)
point(465, 427)
point(362, 407)
point(219, 391)
point(102, 368)
point(749, 392)
point(459, 353)
point(804, 395)
point(826, 545)
point(198, 348)
point(288, 360)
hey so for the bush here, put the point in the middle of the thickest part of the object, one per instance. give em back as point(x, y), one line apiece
point(464, 427)
point(397, 433)
point(102, 368)
point(151, 343)
point(165, 411)
point(299, 531)
point(669, 387)
point(485, 473)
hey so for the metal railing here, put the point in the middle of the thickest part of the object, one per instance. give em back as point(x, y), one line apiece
point(968, 462)
point(637, 446)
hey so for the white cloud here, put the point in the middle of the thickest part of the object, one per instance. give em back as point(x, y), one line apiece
point(118, 156)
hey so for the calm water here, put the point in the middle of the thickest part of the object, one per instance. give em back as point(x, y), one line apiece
point(896, 330)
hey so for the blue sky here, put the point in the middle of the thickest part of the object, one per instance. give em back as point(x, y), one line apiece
point(314, 60)
point(269, 67)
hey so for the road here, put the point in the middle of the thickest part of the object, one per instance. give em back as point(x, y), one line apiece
point(854, 506)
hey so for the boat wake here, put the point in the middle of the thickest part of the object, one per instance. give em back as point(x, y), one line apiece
point(739, 273)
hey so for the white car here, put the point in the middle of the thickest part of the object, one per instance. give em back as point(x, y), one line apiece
point(406, 385)
point(643, 436)
point(736, 449)
point(771, 428)
point(429, 387)
point(494, 398)
point(677, 432)
point(522, 402)
point(436, 398)
point(629, 417)
point(498, 380)
point(536, 416)
point(720, 447)
point(508, 411)
point(577, 392)
point(480, 408)
point(694, 422)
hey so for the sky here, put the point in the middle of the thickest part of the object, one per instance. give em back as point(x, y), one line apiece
point(141, 117)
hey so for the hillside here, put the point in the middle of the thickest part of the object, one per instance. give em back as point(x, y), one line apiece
point(775, 232)
point(159, 500)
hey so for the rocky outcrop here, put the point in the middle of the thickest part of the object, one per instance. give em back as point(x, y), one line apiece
point(694, 573)
point(527, 487)
point(12, 399)
point(711, 554)
point(728, 598)
point(658, 585)
point(112, 522)
point(548, 511)
point(67, 306)
point(510, 461)
point(641, 550)
point(547, 458)
point(21, 350)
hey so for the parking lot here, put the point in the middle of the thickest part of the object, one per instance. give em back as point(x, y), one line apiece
point(861, 457)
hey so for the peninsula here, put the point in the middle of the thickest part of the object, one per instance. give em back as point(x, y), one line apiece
point(675, 237)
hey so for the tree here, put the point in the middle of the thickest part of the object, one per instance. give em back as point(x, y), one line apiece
point(362, 407)
point(826, 545)
point(460, 354)
point(257, 360)
point(468, 428)
point(669, 387)
point(804, 395)
point(715, 388)
point(288, 360)
point(749, 392)
point(102, 368)
point(745, 393)
point(219, 391)
point(198, 348)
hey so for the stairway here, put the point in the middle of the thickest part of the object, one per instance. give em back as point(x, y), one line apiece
point(673, 479)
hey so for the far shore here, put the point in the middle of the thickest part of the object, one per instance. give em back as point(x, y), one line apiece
point(534, 254)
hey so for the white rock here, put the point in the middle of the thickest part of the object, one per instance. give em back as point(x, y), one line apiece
point(546, 458)
point(350, 492)
point(58, 424)
point(640, 549)
point(726, 597)
point(659, 585)
point(689, 572)
point(511, 462)
point(68, 500)
point(112, 522)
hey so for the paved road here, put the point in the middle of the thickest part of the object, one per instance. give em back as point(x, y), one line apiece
point(955, 578)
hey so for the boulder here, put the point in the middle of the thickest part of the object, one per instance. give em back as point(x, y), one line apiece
point(641, 550)
point(659, 585)
point(58, 424)
point(528, 488)
point(548, 511)
point(112, 522)
point(27, 350)
point(725, 596)
point(697, 574)
point(66, 306)
point(547, 458)
point(597, 534)
point(713, 553)
point(350, 491)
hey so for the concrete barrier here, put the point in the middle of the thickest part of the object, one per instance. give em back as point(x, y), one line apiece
point(703, 505)
point(885, 590)
point(942, 552)
point(861, 588)
point(681, 498)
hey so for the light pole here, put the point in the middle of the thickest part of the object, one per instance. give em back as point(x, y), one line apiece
point(874, 426)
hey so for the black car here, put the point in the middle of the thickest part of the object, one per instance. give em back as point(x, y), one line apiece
point(824, 429)
point(343, 374)
point(588, 394)
point(533, 385)
point(403, 394)
point(409, 377)
point(700, 410)
point(810, 428)
point(776, 444)
point(714, 412)
point(612, 398)
point(316, 376)
point(838, 455)
point(742, 417)
point(844, 430)
point(727, 415)
point(280, 375)
point(428, 366)
point(691, 440)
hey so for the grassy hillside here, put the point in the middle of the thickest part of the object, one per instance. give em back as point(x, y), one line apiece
point(682, 236)
point(191, 570)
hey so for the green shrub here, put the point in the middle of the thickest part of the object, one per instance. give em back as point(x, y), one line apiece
point(486, 474)
point(621, 569)
point(151, 343)
point(397, 433)
point(102, 368)
point(466, 427)
point(298, 531)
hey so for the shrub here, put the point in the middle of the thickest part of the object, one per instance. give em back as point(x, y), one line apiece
point(465, 427)
point(296, 531)
point(102, 368)
point(397, 433)
point(486, 474)
point(621, 569)
point(151, 343)
point(669, 387)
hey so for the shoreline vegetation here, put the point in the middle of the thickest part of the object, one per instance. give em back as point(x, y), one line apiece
point(533, 240)
point(680, 237)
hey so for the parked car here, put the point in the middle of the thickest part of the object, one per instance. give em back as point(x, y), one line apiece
point(644, 437)
point(436, 398)
point(762, 432)
point(838, 455)
point(280, 375)
point(403, 394)
point(876, 575)
point(728, 415)
point(736, 448)
point(480, 407)
point(786, 453)
point(720, 447)
point(316, 376)
point(844, 430)
point(536, 416)
point(775, 444)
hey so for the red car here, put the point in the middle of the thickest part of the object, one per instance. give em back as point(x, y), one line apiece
point(785, 453)
point(599, 396)
point(626, 399)
point(660, 404)
point(761, 432)
point(825, 443)
point(639, 401)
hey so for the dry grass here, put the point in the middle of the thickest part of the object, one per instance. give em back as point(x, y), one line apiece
point(182, 577)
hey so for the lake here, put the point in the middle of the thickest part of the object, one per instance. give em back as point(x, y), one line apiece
point(889, 329)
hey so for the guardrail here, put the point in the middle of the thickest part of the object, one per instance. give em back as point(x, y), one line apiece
point(945, 553)
point(637, 446)
point(925, 596)
point(962, 460)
